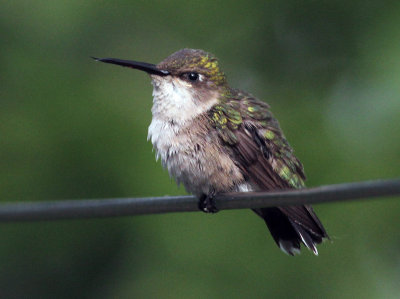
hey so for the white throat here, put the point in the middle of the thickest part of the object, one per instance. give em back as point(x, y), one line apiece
point(174, 106)
point(175, 101)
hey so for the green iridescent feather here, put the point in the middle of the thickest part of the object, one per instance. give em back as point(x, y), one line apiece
point(236, 113)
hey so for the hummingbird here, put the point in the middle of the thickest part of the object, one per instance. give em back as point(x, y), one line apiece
point(214, 139)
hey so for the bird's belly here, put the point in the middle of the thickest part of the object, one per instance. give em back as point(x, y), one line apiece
point(203, 171)
point(195, 158)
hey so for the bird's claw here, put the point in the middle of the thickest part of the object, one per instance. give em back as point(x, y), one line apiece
point(207, 204)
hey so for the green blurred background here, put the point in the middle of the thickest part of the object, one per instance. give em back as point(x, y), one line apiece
point(73, 128)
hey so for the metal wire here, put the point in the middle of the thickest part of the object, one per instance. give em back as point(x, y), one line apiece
point(116, 207)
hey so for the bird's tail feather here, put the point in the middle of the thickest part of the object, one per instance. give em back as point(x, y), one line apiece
point(291, 226)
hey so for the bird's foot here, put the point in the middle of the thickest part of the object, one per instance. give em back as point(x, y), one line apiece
point(207, 203)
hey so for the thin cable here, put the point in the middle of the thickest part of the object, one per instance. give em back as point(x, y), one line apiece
point(116, 207)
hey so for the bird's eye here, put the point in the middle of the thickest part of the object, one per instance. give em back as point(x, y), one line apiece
point(191, 76)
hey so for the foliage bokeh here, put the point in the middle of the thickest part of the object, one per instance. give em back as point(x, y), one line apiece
point(73, 128)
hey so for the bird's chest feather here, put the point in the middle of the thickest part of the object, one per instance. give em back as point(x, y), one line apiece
point(193, 155)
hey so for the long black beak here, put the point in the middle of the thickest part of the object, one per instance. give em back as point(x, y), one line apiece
point(143, 66)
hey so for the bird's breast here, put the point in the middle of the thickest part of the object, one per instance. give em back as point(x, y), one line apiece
point(193, 155)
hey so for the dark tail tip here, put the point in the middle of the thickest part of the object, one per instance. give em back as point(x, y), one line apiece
point(291, 226)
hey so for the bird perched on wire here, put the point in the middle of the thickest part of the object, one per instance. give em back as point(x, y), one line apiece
point(214, 139)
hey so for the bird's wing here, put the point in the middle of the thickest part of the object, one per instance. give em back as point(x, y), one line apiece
point(255, 141)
